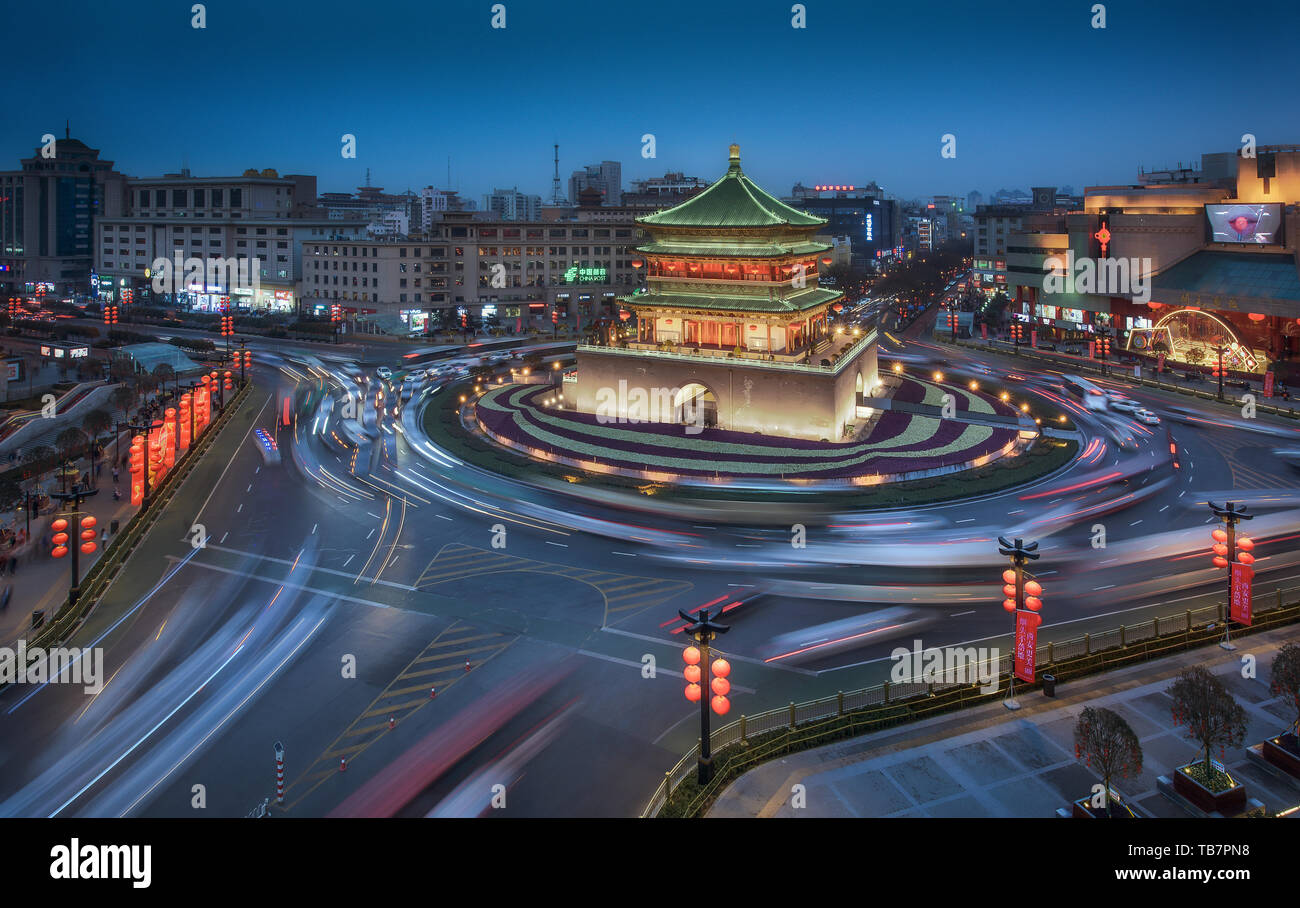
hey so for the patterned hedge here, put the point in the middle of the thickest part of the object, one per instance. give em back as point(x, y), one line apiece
point(899, 442)
point(919, 391)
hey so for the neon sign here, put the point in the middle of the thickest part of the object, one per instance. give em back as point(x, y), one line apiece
point(584, 275)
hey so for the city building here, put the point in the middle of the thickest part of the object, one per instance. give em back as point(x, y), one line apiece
point(733, 324)
point(864, 214)
point(664, 191)
point(49, 210)
point(607, 176)
point(1188, 264)
point(512, 205)
point(517, 274)
point(252, 221)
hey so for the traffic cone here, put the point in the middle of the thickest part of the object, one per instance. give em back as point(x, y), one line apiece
point(343, 763)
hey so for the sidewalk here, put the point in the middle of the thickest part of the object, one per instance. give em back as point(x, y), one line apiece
point(991, 762)
point(41, 581)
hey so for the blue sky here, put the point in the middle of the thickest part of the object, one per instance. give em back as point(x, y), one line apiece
point(1034, 94)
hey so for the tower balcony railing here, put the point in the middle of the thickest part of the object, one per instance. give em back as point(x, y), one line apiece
point(837, 350)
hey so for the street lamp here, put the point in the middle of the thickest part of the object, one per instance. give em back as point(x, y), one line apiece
point(1023, 598)
point(1229, 550)
point(702, 628)
point(80, 539)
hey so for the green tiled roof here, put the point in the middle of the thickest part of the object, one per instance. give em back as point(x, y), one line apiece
point(733, 201)
point(808, 299)
point(703, 250)
point(1264, 276)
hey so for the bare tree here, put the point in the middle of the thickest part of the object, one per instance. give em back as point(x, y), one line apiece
point(1108, 746)
point(1286, 681)
point(1208, 710)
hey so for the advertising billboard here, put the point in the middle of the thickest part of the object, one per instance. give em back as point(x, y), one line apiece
point(1237, 223)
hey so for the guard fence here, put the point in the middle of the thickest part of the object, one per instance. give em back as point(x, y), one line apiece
point(743, 744)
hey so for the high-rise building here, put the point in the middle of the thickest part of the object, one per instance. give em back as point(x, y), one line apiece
point(512, 205)
point(607, 176)
point(48, 212)
point(862, 213)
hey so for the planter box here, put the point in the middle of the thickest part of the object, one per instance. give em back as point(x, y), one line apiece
point(1229, 802)
point(1284, 753)
point(1082, 809)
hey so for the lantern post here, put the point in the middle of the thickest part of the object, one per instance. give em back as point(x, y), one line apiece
point(1020, 595)
point(143, 430)
point(78, 534)
point(1226, 546)
point(702, 628)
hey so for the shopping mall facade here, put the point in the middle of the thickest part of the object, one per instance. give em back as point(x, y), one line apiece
point(1199, 264)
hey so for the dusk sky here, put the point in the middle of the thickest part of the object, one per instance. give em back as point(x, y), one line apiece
point(1034, 95)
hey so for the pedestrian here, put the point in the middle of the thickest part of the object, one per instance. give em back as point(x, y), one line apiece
point(115, 475)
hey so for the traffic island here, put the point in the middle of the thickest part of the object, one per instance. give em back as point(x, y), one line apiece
point(1279, 753)
point(1085, 809)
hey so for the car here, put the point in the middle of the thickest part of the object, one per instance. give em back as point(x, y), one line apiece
point(1146, 416)
point(384, 372)
point(1124, 405)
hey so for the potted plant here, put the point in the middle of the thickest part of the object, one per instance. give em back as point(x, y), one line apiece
point(1211, 716)
point(1109, 747)
point(1283, 750)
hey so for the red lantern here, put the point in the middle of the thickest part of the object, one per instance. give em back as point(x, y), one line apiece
point(721, 705)
point(721, 668)
point(1034, 619)
point(838, 307)
point(59, 551)
point(1256, 316)
point(624, 315)
point(1009, 604)
point(1033, 603)
point(59, 525)
point(692, 674)
point(721, 686)
point(1220, 562)
point(826, 260)
point(1009, 576)
point(87, 534)
point(1245, 543)
point(1009, 591)
point(637, 263)
point(1033, 588)
point(691, 655)
point(88, 548)
point(1220, 548)
point(89, 521)
point(1219, 535)
point(693, 692)
point(60, 538)
point(1246, 558)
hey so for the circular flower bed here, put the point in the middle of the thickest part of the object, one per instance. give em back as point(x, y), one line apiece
point(900, 445)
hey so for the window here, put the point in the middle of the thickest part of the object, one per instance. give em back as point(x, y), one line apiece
point(236, 198)
point(180, 198)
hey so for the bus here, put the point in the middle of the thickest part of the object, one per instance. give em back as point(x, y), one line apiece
point(1092, 397)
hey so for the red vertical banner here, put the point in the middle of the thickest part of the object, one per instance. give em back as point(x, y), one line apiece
point(1092, 349)
point(984, 331)
point(1033, 338)
point(1160, 363)
point(1026, 644)
point(519, 325)
point(1242, 575)
point(1268, 384)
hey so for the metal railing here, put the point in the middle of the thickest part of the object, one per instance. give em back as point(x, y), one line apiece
point(752, 739)
point(845, 356)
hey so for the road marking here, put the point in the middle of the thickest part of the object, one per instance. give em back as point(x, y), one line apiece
point(224, 535)
point(313, 528)
point(240, 508)
point(1108, 586)
point(350, 557)
point(371, 533)
point(959, 614)
point(442, 516)
point(560, 544)
point(628, 554)
point(967, 519)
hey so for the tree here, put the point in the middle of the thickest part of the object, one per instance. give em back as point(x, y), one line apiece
point(1108, 746)
point(70, 443)
point(122, 398)
point(164, 373)
point(121, 368)
point(1286, 680)
point(11, 495)
point(37, 460)
point(1208, 710)
point(97, 422)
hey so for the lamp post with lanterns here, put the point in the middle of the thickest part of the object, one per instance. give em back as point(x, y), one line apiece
point(1230, 549)
point(702, 628)
point(74, 534)
point(1023, 598)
